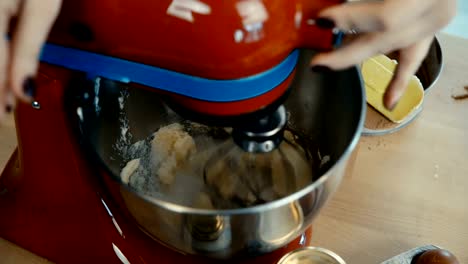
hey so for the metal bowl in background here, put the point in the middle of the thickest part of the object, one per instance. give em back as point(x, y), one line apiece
point(428, 73)
point(329, 108)
point(313, 255)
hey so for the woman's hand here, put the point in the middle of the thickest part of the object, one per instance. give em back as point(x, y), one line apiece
point(19, 56)
point(405, 26)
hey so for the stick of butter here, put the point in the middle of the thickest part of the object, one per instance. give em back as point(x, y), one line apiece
point(377, 73)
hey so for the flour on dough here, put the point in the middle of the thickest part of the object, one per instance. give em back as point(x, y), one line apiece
point(129, 170)
point(170, 148)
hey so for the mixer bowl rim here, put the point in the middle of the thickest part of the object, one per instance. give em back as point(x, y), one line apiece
point(270, 205)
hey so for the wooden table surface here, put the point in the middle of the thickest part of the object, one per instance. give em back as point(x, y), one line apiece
point(406, 189)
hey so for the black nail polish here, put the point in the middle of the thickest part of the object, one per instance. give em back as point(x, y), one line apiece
point(81, 32)
point(29, 87)
point(325, 23)
point(320, 68)
point(9, 108)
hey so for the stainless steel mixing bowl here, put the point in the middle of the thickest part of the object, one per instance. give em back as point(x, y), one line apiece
point(328, 107)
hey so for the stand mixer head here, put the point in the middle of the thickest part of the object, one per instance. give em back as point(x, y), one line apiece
point(215, 62)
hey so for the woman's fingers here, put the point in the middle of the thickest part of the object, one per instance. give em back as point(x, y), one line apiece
point(6, 11)
point(409, 60)
point(375, 16)
point(364, 46)
point(406, 26)
point(359, 49)
point(354, 16)
point(34, 23)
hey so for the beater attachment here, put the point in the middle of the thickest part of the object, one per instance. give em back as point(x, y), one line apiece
point(261, 162)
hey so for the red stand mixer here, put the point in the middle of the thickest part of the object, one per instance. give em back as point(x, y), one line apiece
point(218, 62)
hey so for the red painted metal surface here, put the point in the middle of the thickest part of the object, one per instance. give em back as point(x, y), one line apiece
point(209, 38)
point(214, 39)
point(53, 203)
